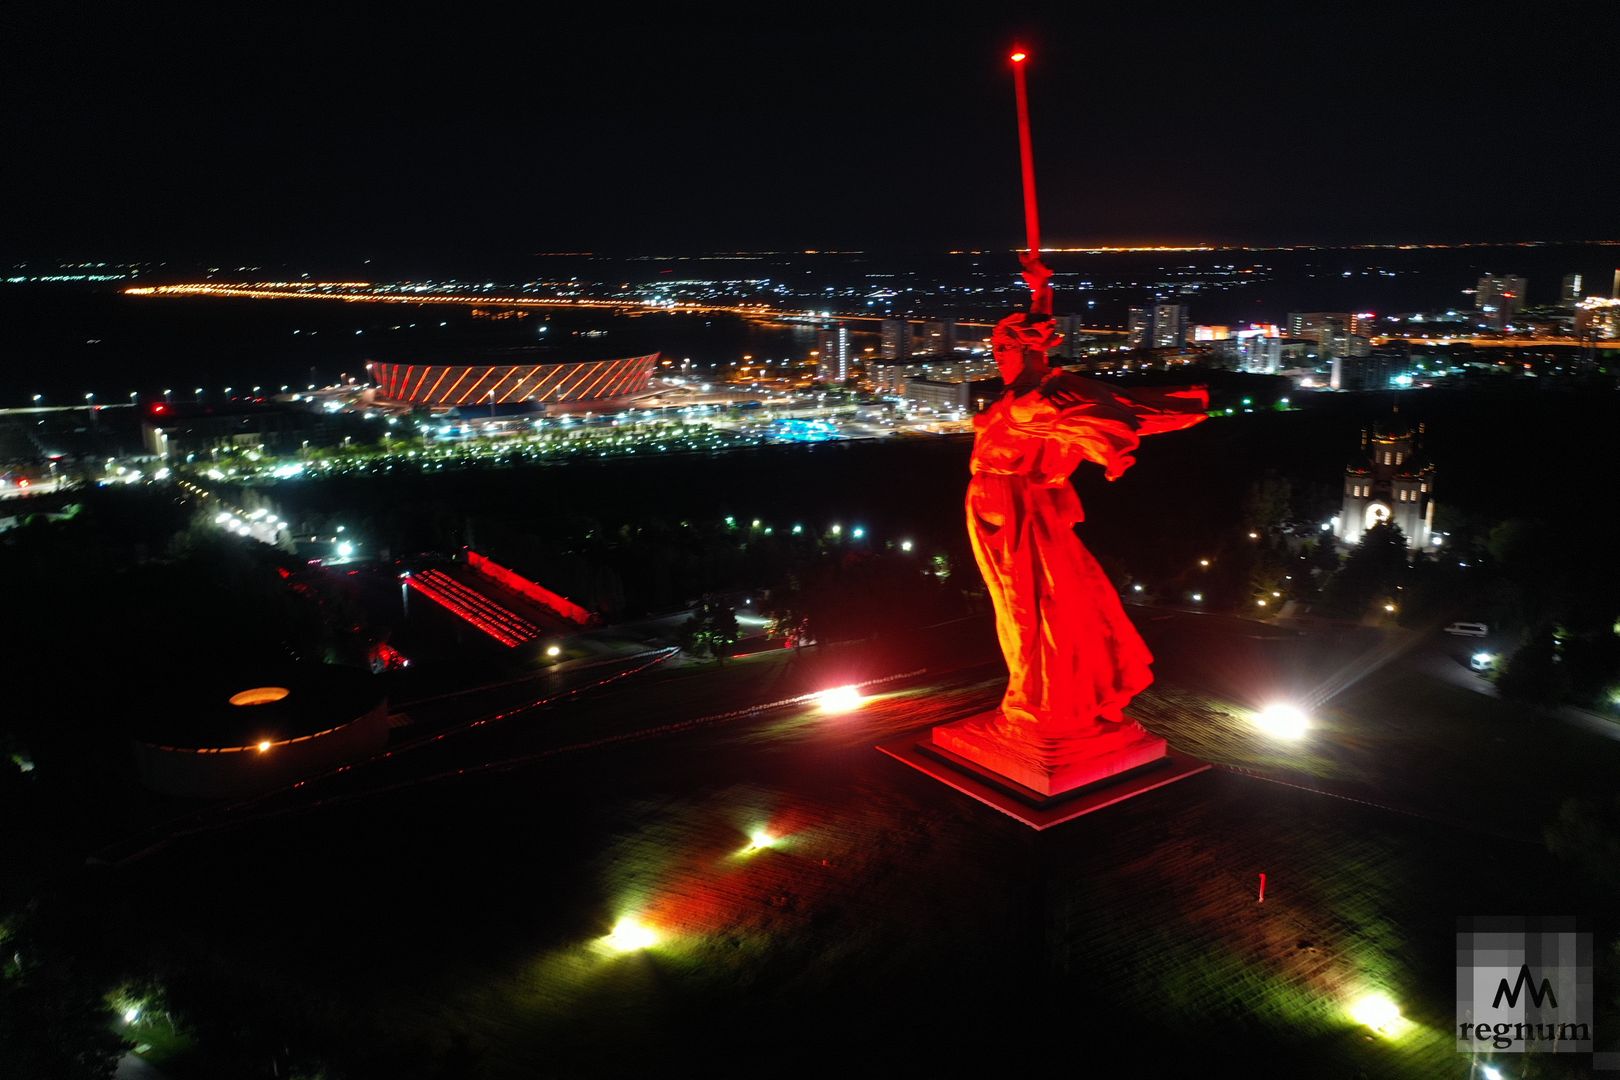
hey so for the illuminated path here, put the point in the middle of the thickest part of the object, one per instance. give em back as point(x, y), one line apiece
point(357, 292)
point(1501, 343)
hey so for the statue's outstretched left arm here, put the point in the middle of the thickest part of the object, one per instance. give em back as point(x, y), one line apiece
point(1106, 424)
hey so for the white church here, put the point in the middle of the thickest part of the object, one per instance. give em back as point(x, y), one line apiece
point(1393, 484)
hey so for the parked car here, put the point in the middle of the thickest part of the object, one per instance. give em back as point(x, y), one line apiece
point(1468, 629)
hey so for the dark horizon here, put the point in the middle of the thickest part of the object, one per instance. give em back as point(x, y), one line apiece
point(332, 138)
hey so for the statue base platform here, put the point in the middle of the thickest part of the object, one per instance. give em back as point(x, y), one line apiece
point(1050, 766)
point(1043, 786)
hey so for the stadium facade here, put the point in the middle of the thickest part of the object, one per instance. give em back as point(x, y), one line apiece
point(445, 386)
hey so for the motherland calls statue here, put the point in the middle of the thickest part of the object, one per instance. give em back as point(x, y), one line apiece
point(1074, 660)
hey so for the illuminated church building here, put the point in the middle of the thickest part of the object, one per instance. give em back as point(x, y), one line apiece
point(1395, 485)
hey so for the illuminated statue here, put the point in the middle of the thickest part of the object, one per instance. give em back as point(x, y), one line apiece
point(1073, 658)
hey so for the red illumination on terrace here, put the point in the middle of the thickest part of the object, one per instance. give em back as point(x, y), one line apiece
point(521, 585)
point(474, 608)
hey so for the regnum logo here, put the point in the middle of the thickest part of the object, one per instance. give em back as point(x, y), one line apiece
point(1523, 984)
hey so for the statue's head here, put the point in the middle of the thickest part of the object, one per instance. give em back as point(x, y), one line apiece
point(1021, 343)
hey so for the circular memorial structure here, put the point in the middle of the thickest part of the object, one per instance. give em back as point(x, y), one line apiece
point(227, 735)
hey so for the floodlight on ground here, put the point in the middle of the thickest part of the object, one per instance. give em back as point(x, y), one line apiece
point(759, 839)
point(1378, 1012)
point(1490, 1072)
point(132, 1014)
point(630, 935)
point(840, 699)
point(1282, 720)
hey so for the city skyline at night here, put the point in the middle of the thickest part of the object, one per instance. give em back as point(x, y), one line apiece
point(586, 542)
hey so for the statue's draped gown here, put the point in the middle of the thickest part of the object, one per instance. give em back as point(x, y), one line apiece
point(1073, 656)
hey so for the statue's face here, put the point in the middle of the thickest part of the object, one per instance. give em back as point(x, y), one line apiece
point(1021, 347)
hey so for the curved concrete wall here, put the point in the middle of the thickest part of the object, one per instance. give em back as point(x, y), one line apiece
point(214, 773)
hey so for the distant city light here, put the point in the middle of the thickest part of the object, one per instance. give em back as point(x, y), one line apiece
point(905, 545)
point(1198, 597)
point(553, 651)
point(264, 745)
point(857, 532)
point(1282, 721)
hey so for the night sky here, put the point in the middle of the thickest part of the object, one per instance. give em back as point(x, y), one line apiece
point(135, 131)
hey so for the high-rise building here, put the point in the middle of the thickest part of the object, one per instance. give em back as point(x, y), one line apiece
point(934, 338)
point(1159, 326)
point(1336, 333)
point(1598, 319)
point(1257, 349)
point(833, 364)
point(1075, 339)
point(1498, 297)
point(1570, 292)
point(896, 342)
point(1378, 368)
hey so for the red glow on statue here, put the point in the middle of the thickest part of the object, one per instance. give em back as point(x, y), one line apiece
point(1074, 660)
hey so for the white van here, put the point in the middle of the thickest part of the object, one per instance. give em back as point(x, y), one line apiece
point(1468, 629)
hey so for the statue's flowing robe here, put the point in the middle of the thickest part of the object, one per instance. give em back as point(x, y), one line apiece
point(1072, 655)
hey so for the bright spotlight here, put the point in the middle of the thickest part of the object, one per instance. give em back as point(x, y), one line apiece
point(1490, 1072)
point(553, 651)
point(264, 745)
point(630, 935)
point(132, 1014)
point(1378, 1012)
point(760, 838)
point(1282, 721)
point(840, 699)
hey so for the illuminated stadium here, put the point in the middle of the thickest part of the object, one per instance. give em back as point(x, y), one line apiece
point(445, 386)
